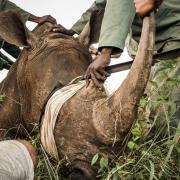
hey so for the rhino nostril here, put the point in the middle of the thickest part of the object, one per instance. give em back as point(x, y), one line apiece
point(81, 170)
point(77, 175)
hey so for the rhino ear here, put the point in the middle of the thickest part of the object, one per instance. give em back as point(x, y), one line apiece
point(13, 30)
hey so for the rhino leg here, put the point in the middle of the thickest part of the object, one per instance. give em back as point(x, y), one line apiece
point(114, 116)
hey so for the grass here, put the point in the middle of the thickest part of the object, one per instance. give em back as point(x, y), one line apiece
point(152, 148)
point(150, 158)
point(47, 168)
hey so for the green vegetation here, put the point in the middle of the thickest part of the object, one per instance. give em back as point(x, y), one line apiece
point(2, 97)
point(152, 148)
point(47, 168)
point(147, 154)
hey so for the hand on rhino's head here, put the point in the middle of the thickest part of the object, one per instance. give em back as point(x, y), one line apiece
point(14, 31)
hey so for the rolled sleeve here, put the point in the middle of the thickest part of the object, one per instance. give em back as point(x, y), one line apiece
point(117, 21)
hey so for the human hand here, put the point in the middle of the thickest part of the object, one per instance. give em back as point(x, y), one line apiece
point(61, 29)
point(47, 18)
point(43, 19)
point(96, 70)
point(144, 7)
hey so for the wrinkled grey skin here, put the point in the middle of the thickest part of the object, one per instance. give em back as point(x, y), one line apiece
point(88, 121)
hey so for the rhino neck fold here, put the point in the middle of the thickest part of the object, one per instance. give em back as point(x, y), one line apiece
point(114, 117)
point(10, 106)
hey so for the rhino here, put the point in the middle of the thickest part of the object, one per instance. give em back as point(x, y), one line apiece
point(90, 119)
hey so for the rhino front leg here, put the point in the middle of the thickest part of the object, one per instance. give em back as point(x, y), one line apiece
point(113, 117)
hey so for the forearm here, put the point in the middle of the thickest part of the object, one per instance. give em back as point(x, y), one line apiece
point(117, 21)
point(33, 18)
point(106, 53)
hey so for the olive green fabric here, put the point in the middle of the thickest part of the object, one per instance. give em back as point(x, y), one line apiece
point(79, 25)
point(117, 21)
point(163, 95)
point(114, 30)
point(120, 20)
point(167, 28)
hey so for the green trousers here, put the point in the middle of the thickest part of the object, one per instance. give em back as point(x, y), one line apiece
point(163, 92)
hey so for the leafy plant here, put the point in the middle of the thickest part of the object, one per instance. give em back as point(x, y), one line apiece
point(153, 149)
point(2, 97)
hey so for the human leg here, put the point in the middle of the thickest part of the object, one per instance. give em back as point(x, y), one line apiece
point(17, 160)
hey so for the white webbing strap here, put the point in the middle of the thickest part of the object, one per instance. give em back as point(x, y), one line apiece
point(50, 116)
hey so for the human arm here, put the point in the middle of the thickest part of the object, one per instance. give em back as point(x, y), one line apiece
point(96, 70)
point(144, 7)
point(117, 21)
